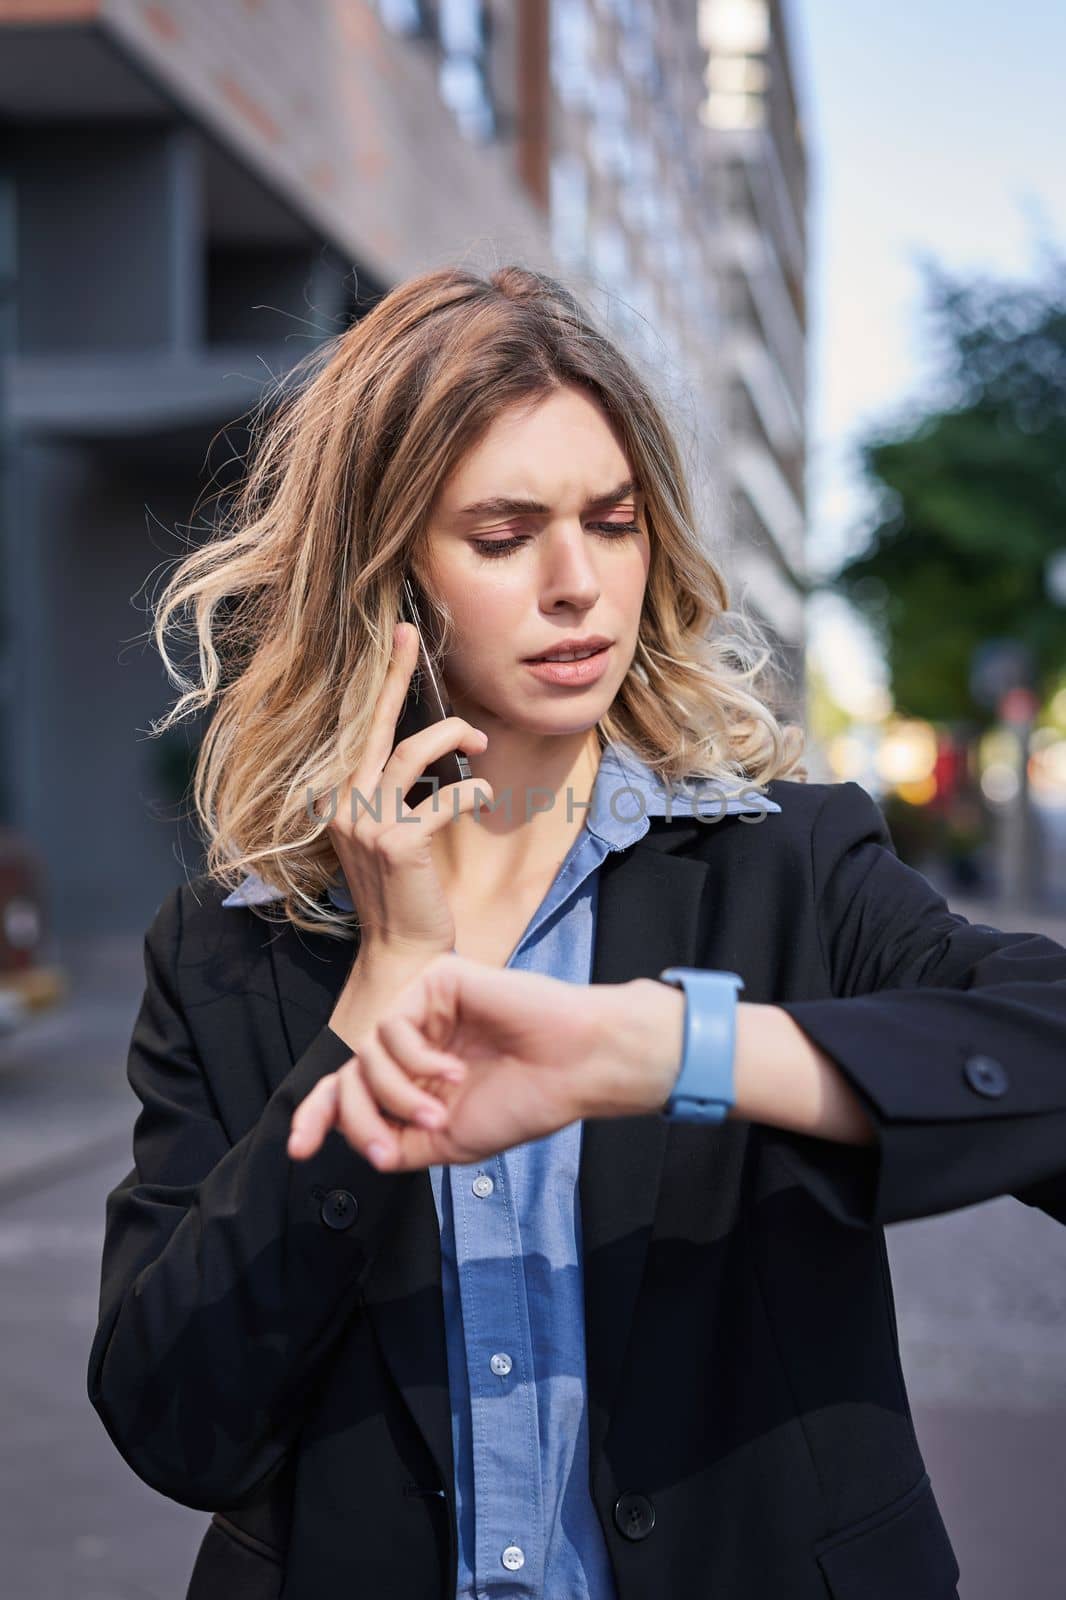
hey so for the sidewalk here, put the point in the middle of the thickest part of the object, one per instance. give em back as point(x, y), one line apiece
point(1025, 919)
point(63, 1087)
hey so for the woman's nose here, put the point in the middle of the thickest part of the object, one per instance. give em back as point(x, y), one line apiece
point(569, 575)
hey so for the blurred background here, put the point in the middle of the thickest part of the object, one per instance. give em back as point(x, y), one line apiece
point(834, 234)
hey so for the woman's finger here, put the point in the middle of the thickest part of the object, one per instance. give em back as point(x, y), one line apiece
point(313, 1117)
point(402, 663)
point(362, 1123)
point(393, 1091)
point(409, 1047)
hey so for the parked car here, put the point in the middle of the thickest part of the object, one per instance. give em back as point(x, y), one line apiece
point(28, 982)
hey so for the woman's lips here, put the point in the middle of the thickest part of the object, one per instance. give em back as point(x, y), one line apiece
point(575, 672)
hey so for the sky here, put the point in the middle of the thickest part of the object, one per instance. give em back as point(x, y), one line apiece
point(934, 128)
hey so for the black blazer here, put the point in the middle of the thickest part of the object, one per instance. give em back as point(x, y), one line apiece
point(271, 1346)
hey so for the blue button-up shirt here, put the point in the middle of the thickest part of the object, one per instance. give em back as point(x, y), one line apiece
point(511, 1261)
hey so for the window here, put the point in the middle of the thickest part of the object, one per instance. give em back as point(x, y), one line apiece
point(610, 252)
point(735, 27)
point(461, 76)
point(402, 16)
point(569, 209)
point(570, 48)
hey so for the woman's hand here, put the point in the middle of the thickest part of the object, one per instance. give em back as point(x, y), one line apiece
point(490, 1059)
point(404, 915)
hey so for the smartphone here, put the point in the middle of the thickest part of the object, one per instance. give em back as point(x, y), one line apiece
point(426, 703)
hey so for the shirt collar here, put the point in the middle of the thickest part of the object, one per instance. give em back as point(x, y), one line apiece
point(625, 795)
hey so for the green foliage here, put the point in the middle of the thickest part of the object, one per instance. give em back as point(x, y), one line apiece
point(970, 497)
point(826, 718)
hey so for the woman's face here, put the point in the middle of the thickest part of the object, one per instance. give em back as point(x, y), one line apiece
point(539, 537)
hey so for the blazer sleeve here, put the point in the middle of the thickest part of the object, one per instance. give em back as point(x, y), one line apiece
point(223, 1289)
point(952, 1033)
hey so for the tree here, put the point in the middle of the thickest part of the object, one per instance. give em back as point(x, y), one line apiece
point(970, 497)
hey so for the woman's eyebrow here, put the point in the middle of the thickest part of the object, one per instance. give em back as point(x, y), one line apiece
point(504, 505)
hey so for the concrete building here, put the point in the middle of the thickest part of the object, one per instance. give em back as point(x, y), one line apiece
point(679, 186)
point(197, 194)
point(757, 167)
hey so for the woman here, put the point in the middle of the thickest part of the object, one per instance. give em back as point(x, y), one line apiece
point(609, 1313)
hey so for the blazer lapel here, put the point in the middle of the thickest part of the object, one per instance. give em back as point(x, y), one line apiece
point(402, 1292)
point(309, 974)
point(649, 901)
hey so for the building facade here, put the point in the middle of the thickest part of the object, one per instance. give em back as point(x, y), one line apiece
point(199, 193)
point(759, 186)
point(679, 185)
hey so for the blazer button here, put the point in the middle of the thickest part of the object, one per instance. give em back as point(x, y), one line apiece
point(986, 1075)
point(339, 1209)
point(634, 1515)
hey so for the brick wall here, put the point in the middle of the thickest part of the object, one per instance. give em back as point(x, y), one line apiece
point(345, 119)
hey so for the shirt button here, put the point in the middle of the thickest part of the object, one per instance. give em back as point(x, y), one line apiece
point(513, 1557)
point(482, 1185)
point(501, 1364)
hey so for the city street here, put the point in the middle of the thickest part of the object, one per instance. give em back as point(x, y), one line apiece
point(981, 1300)
point(309, 316)
point(75, 1522)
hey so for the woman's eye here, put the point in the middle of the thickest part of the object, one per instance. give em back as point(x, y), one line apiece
point(502, 547)
point(496, 547)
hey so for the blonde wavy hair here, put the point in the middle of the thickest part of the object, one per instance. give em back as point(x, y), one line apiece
point(291, 599)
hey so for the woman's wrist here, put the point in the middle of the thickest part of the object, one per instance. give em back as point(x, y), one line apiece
point(779, 1076)
point(642, 1030)
point(783, 1079)
point(369, 991)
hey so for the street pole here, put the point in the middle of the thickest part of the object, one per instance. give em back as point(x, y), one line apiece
point(7, 350)
point(1019, 845)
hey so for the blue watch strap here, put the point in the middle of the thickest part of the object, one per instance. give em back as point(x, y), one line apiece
point(703, 1090)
